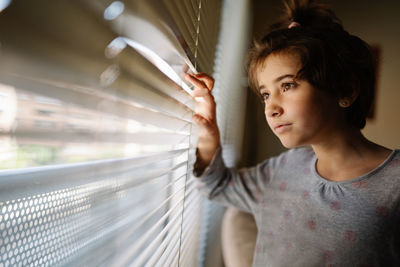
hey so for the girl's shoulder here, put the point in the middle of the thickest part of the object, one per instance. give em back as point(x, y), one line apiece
point(393, 162)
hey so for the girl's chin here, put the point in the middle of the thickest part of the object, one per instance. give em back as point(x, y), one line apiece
point(290, 143)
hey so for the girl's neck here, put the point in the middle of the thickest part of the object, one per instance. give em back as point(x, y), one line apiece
point(348, 155)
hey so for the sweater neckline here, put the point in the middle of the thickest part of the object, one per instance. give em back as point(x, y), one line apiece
point(313, 167)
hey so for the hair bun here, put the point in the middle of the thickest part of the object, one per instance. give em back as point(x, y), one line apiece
point(309, 14)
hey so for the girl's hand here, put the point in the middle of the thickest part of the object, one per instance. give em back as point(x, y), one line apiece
point(205, 107)
point(205, 118)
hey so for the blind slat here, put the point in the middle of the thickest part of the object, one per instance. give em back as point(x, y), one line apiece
point(63, 56)
point(167, 188)
point(181, 22)
point(86, 136)
point(134, 247)
point(183, 18)
point(142, 70)
point(172, 260)
point(15, 183)
point(152, 246)
point(124, 88)
point(165, 247)
point(166, 261)
point(95, 103)
point(189, 248)
point(148, 233)
point(167, 256)
point(148, 252)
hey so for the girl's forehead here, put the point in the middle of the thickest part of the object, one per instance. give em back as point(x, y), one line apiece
point(281, 59)
point(276, 65)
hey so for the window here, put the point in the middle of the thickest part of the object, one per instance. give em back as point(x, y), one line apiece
point(97, 139)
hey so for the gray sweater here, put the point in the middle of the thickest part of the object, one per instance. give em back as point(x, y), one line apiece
point(306, 220)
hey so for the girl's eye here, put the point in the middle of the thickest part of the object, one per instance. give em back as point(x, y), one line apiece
point(264, 96)
point(287, 86)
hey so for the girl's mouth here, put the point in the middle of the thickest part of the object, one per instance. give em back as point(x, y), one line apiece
point(282, 127)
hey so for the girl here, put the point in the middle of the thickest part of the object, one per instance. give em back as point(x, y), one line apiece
point(333, 198)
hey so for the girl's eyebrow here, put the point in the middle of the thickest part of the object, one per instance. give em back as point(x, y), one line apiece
point(280, 78)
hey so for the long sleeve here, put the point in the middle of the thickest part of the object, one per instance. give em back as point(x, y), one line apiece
point(232, 187)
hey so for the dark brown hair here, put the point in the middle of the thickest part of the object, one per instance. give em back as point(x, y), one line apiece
point(332, 59)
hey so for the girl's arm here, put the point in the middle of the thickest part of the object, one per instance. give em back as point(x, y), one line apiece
point(205, 118)
point(240, 188)
point(227, 186)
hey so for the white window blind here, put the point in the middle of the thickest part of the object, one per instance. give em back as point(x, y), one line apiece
point(96, 136)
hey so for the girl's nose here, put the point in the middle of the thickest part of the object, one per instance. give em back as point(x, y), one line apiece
point(273, 110)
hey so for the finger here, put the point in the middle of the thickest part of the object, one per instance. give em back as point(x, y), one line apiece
point(198, 119)
point(199, 92)
point(203, 94)
point(196, 82)
point(207, 79)
point(201, 121)
point(185, 68)
point(205, 124)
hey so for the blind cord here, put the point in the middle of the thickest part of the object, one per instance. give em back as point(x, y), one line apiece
point(197, 35)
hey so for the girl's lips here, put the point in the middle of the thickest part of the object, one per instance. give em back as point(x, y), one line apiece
point(282, 127)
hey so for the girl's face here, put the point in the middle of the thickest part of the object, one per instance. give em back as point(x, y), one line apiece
point(297, 113)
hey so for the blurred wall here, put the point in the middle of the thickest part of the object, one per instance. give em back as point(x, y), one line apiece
point(377, 23)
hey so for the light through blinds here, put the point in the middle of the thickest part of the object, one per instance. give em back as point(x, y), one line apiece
point(97, 141)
